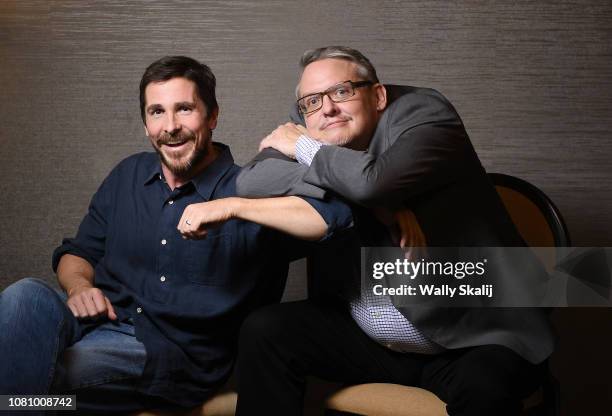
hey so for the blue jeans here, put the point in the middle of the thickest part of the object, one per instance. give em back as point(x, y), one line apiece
point(44, 350)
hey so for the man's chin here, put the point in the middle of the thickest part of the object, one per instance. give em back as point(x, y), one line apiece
point(183, 166)
point(336, 141)
point(178, 169)
point(180, 166)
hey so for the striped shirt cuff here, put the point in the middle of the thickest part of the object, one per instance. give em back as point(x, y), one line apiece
point(306, 149)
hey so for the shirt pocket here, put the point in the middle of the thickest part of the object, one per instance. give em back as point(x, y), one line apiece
point(209, 261)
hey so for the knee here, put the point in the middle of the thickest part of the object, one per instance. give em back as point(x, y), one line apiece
point(27, 297)
point(26, 286)
point(268, 330)
point(263, 328)
point(490, 385)
point(481, 396)
point(24, 290)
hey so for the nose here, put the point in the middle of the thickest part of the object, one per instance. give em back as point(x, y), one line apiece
point(329, 107)
point(172, 125)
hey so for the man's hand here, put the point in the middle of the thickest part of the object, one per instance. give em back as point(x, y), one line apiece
point(76, 276)
point(87, 302)
point(198, 218)
point(284, 138)
point(412, 238)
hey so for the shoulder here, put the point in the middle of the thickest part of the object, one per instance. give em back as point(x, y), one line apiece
point(226, 186)
point(417, 105)
point(137, 160)
point(139, 167)
point(412, 109)
point(230, 174)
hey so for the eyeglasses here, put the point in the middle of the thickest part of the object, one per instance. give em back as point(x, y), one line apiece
point(338, 93)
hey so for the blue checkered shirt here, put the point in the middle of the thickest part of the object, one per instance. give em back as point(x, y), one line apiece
point(376, 315)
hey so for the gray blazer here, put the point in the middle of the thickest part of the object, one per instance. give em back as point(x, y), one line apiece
point(420, 157)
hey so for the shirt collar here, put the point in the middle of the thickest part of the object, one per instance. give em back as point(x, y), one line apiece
point(206, 181)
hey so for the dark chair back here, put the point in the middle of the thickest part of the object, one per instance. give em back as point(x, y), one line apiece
point(540, 224)
point(536, 217)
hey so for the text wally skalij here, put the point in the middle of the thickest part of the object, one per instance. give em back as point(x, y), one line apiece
point(414, 269)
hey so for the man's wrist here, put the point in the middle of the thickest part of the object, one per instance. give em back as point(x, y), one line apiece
point(305, 149)
point(78, 288)
point(238, 207)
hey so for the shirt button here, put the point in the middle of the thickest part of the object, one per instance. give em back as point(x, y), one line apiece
point(171, 202)
point(163, 242)
point(163, 278)
point(139, 309)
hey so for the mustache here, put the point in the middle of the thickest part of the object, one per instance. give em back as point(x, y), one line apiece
point(176, 138)
point(335, 120)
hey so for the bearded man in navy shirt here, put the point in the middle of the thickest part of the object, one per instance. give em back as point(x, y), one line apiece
point(164, 268)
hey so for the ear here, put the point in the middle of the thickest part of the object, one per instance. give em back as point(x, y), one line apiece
point(146, 131)
point(212, 119)
point(381, 97)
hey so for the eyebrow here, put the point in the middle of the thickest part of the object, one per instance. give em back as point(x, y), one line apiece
point(310, 93)
point(189, 104)
point(154, 107)
point(324, 91)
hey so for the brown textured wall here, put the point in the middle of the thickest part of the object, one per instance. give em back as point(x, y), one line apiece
point(532, 81)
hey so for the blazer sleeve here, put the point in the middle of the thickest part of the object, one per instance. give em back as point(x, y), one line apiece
point(419, 145)
point(271, 173)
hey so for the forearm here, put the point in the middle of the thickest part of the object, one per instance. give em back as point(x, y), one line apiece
point(73, 272)
point(423, 158)
point(291, 215)
point(270, 173)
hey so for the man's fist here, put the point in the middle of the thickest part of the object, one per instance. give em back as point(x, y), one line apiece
point(89, 303)
point(198, 218)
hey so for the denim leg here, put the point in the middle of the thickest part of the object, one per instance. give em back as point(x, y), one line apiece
point(42, 352)
point(35, 327)
point(103, 369)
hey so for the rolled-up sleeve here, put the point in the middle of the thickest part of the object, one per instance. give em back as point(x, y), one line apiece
point(335, 212)
point(90, 240)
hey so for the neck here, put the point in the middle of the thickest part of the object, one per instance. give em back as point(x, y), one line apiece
point(174, 181)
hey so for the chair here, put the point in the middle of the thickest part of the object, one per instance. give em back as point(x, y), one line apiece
point(537, 218)
point(541, 225)
point(222, 404)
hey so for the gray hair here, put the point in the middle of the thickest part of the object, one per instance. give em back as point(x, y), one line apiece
point(365, 69)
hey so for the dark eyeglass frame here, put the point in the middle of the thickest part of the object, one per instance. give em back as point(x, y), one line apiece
point(354, 86)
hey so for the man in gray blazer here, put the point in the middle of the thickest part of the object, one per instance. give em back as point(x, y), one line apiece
point(402, 157)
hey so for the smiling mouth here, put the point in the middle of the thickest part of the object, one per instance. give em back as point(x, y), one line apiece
point(174, 144)
point(334, 124)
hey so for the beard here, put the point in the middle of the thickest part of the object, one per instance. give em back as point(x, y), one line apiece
point(182, 166)
point(336, 137)
point(342, 141)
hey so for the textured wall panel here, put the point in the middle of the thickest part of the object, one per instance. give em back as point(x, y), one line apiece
point(532, 81)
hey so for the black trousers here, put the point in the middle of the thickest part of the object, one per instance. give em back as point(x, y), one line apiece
point(281, 345)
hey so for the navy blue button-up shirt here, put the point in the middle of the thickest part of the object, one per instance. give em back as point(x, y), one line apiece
point(187, 298)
